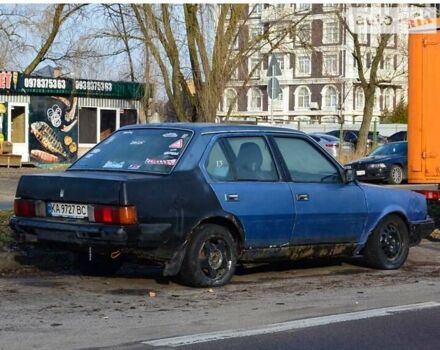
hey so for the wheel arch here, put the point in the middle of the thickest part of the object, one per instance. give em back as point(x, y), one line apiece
point(232, 224)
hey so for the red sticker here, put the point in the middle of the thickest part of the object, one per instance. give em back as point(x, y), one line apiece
point(176, 144)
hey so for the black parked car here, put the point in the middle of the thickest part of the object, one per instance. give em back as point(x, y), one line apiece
point(353, 135)
point(386, 163)
point(398, 136)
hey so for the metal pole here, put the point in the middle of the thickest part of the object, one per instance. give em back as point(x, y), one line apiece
point(271, 102)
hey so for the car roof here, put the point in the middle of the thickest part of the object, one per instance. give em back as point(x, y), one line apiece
point(211, 128)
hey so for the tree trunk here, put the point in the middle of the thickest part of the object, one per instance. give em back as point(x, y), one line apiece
point(361, 146)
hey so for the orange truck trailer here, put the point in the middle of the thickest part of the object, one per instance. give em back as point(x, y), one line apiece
point(424, 117)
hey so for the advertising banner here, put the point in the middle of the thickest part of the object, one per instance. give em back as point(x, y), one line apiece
point(18, 83)
point(53, 122)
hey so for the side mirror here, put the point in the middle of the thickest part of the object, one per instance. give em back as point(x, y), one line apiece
point(349, 174)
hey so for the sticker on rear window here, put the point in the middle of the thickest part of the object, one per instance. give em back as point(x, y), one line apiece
point(171, 153)
point(177, 144)
point(114, 165)
point(127, 132)
point(184, 136)
point(96, 150)
point(170, 134)
point(160, 161)
point(137, 142)
point(134, 166)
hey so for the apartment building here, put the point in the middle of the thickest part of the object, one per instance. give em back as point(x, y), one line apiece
point(319, 79)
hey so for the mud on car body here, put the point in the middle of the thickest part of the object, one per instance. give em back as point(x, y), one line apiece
point(200, 197)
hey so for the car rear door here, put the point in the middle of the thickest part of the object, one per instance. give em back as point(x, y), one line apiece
point(327, 209)
point(242, 172)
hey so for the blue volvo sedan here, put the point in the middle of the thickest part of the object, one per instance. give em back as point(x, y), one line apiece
point(197, 198)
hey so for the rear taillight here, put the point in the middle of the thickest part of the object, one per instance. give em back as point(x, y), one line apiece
point(331, 145)
point(24, 207)
point(113, 215)
point(435, 195)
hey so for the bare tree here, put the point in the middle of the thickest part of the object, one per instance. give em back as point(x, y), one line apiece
point(212, 58)
point(58, 15)
point(369, 78)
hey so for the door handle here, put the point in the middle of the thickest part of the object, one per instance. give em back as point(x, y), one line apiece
point(304, 197)
point(232, 197)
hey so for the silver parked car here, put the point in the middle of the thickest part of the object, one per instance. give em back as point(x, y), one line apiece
point(331, 144)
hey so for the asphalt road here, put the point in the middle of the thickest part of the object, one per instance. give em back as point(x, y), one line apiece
point(410, 330)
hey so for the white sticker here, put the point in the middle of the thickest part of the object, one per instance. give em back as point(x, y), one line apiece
point(114, 165)
point(96, 150)
point(109, 140)
point(171, 153)
point(184, 136)
point(170, 134)
point(127, 132)
point(137, 142)
point(134, 166)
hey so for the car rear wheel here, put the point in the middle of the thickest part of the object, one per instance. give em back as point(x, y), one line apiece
point(387, 247)
point(210, 258)
point(100, 265)
point(396, 175)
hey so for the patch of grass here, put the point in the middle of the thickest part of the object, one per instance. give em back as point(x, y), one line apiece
point(5, 231)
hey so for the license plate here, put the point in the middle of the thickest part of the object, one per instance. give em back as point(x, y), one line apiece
point(67, 210)
point(360, 172)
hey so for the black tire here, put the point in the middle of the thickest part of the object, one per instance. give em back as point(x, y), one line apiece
point(388, 246)
point(101, 265)
point(396, 175)
point(211, 257)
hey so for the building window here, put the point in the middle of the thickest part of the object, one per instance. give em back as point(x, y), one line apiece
point(377, 99)
point(255, 9)
point(359, 99)
point(255, 100)
point(255, 32)
point(255, 63)
point(87, 125)
point(304, 33)
point(331, 32)
point(329, 7)
point(388, 63)
point(230, 99)
point(128, 117)
point(303, 96)
point(303, 65)
point(107, 123)
point(388, 97)
point(330, 64)
point(280, 59)
point(234, 75)
point(305, 7)
point(363, 38)
point(330, 98)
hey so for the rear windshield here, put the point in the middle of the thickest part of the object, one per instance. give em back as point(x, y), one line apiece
point(139, 150)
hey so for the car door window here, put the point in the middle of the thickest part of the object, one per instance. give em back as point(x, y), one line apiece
point(217, 165)
point(305, 163)
point(252, 159)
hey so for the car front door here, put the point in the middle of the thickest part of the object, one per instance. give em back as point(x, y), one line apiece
point(244, 177)
point(327, 209)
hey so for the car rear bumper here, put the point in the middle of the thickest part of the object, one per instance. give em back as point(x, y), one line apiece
point(420, 230)
point(144, 236)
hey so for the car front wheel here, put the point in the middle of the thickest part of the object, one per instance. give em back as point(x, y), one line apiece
point(396, 175)
point(211, 257)
point(388, 246)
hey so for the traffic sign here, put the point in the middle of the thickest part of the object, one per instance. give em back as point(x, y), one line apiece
point(274, 69)
point(273, 88)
